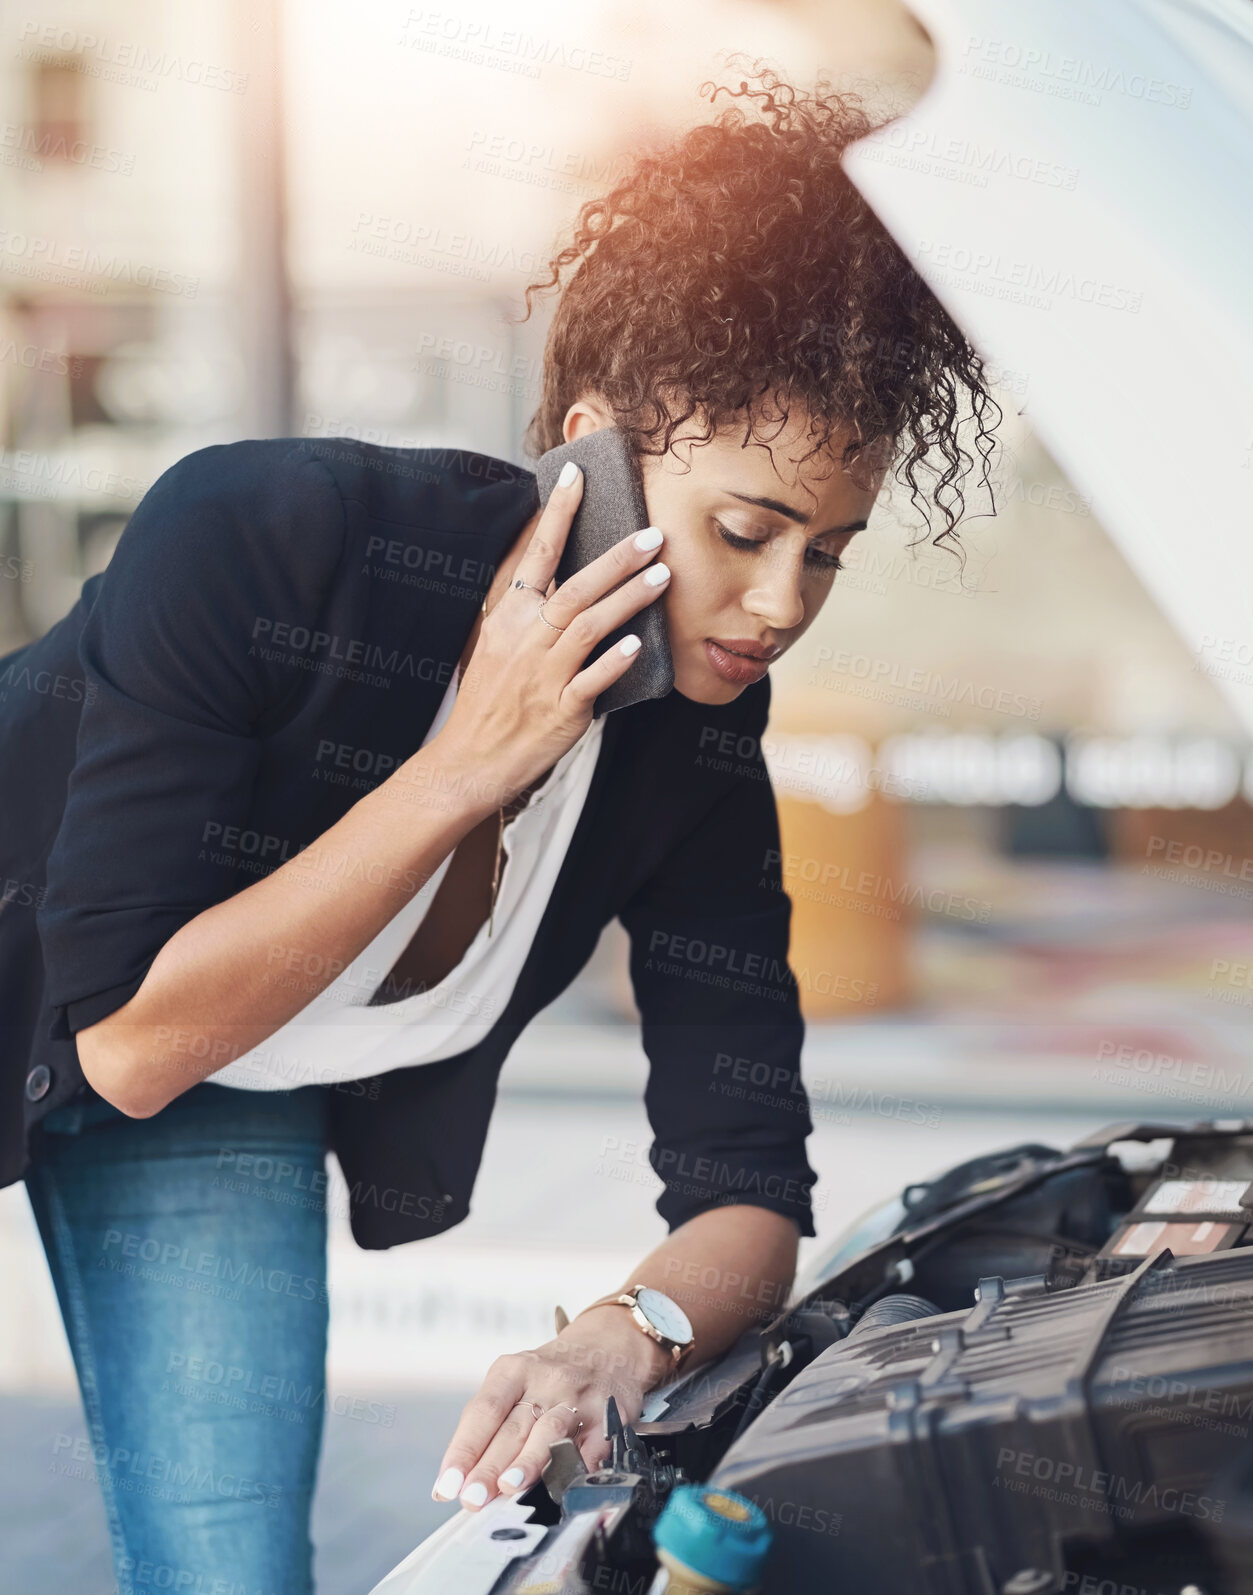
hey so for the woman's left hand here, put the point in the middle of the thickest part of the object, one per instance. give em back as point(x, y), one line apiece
point(501, 1444)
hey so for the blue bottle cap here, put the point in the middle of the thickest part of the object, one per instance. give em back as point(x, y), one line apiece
point(716, 1533)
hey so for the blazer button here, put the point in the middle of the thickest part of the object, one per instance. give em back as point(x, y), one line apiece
point(38, 1082)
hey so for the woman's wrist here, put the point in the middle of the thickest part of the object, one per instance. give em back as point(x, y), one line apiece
point(634, 1356)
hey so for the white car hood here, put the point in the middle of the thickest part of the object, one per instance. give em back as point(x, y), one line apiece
point(1075, 187)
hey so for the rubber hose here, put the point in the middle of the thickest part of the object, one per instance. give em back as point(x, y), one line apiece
point(893, 1310)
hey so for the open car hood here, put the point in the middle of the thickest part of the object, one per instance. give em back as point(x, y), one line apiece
point(1074, 186)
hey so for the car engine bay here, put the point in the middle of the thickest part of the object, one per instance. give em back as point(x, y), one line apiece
point(1032, 1374)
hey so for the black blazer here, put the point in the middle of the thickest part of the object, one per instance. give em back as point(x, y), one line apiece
point(273, 635)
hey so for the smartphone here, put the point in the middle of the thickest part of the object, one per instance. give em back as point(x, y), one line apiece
point(612, 508)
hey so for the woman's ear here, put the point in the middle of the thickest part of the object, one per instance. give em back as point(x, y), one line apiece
point(585, 415)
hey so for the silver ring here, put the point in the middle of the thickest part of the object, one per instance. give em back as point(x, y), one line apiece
point(531, 585)
point(536, 1410)
point(545, 619)
point(568, 1408)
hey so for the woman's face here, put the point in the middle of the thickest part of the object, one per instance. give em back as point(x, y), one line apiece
point(752, 543)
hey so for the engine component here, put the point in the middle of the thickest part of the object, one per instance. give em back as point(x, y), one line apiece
point(1037, 1432)
point(1190, 1216)
point(711, 1540)
point(890, 1310)
point(565, 1466)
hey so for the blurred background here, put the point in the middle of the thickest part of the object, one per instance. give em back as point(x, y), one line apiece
point(1015, 808)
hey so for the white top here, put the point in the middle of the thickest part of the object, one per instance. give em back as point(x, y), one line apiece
point(338, 1036)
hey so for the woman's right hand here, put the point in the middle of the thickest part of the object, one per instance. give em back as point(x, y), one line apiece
point(526, 696)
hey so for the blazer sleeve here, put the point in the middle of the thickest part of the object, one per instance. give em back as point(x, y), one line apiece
point(177, 700)
point(720, 1012)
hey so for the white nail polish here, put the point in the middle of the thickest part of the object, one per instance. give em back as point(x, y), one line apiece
point(628, 645)
point(512, 1478)
point(656, 574)
point(650, 537)
point(448, 1483)
point(474, 1494)
point(569, 474)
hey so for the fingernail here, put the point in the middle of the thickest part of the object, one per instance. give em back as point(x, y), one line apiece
point(513, 1478)
point(448, 1483)
point(656, 574)
point(569, 474)
point(474, 1494)
point(628, 645)
point(650, 537)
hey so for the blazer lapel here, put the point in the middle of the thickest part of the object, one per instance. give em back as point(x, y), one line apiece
point(423, 615)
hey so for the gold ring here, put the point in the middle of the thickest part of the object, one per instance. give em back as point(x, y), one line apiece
point(545, 618)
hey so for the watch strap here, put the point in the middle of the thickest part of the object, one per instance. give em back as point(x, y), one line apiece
point(677, 1349)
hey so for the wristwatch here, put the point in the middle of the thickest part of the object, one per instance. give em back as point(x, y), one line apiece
point(660, 1318)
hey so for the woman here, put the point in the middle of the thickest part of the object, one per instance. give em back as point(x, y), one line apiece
point(308, 816)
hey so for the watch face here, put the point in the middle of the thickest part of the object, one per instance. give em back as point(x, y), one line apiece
point(666, 1316)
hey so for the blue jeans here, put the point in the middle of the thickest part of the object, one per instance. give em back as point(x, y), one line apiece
point(188, 1253)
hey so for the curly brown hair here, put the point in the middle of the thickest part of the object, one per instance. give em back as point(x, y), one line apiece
point(737, 273)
